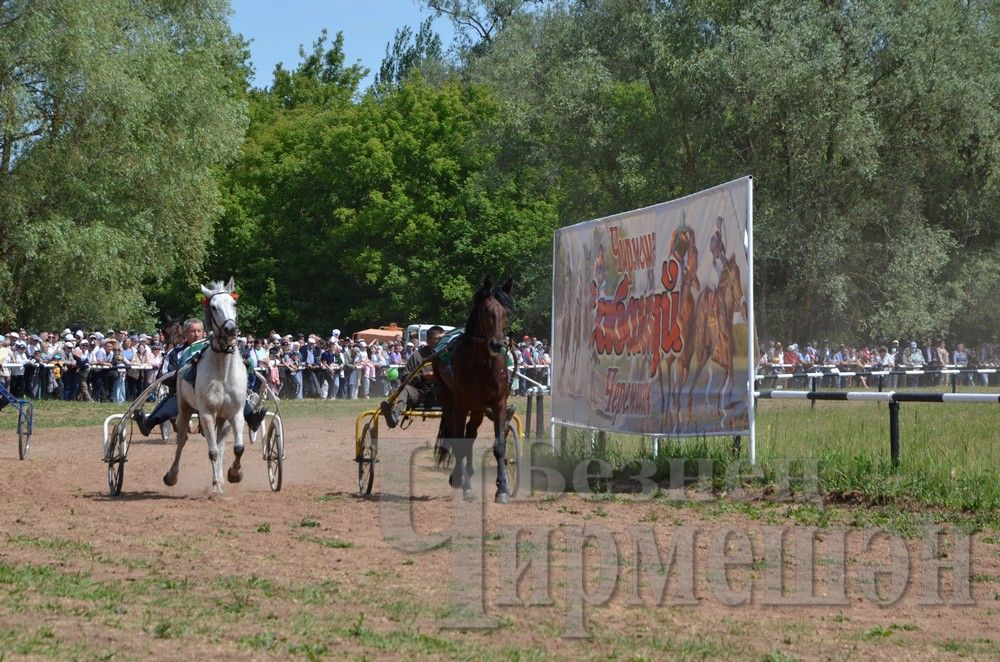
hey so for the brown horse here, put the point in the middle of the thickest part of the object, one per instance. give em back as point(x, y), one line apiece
point(683, 249)
point(476, 384)
point(710, 336)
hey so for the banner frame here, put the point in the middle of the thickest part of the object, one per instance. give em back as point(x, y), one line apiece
point(751, 353)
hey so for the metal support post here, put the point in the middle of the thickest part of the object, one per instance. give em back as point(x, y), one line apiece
point(894, 432)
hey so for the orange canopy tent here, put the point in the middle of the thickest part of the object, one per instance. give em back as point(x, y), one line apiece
point(389, 333)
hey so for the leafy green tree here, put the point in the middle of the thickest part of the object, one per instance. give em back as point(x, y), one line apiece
point(870, 127)
point(381, 210)
point(113, 115)
point(321, 79)
point(409, 53)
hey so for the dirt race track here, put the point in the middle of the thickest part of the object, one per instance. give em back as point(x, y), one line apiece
point(168, 572)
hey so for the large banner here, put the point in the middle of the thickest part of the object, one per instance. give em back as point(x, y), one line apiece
point(652, 311)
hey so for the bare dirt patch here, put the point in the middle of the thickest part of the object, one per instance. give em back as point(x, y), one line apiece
point(170, 572)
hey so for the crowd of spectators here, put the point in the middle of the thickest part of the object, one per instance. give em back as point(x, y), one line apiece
point(930, 358)
point(117, 366)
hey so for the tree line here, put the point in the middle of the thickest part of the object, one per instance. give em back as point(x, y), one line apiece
point(140, 161)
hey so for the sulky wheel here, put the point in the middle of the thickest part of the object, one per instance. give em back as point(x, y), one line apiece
point(117, 448)
point(23, 434)
point(512, 457)
point(366, 461)
point(274, 453)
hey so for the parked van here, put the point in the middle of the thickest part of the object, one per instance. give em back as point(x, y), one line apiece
point(421, 331)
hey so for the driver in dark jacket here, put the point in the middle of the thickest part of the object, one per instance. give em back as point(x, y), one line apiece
point(420, 386)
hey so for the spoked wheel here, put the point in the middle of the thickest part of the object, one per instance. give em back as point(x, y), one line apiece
point(366, 461)
point(512, 457)
point(23, 433)
point(117, 448)
point(274, 453)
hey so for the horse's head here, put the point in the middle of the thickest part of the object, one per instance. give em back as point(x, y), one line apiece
point(731, 284)
point(220, 313)
point(488, 316)
point(684, 249)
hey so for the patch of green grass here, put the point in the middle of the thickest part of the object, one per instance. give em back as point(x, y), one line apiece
point(977, 648)
point(262, 641)
point(50, 582)
point(315, 594)
point(309, 650)
point(171, 584)
point(836, 452)
point(778, 656)
point(55, 544)
point(881, 632)
point(59, 414)
point(308, 523)
point(808, 514)
point(41, 643)
point(168, 630)
point(331, 543)
point(252, 583)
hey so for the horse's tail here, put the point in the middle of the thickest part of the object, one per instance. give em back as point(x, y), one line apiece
point(441, 453)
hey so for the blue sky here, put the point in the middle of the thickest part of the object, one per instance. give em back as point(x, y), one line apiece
point(277, 28)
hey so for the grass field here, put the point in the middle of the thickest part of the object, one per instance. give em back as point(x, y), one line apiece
point(950, 454)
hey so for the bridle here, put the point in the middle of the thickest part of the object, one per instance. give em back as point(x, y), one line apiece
point(216, 329)
point(494, 344)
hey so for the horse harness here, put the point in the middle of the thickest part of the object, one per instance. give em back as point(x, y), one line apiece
point(210, 318)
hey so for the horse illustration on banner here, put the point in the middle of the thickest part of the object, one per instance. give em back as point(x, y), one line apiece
point(709, 336)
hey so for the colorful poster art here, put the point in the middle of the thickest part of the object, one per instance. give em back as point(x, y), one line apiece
point(651, 316)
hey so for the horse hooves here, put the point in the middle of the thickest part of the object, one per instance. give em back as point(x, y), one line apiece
point(169, 480)
point(468, 495)
point(502, 497)
point(234, 476)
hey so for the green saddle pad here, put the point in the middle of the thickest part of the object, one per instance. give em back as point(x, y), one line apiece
point(446, 345)
point(186, 369)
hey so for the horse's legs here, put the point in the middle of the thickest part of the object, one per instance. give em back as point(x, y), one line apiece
point(455, 427)
point(727, 382)
point(708, 385)
point(215, 449)
point(464, 449)
point(183, 422)
point(500, 451)
point(235, 473)
point(700, 357)
point(466, 445)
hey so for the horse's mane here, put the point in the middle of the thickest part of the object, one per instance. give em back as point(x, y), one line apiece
point(216, 286)
point(483, 293)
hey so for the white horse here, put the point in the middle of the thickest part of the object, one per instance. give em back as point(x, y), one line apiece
point(219, 391)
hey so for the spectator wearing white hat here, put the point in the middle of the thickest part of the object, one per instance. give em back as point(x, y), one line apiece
point(359, 378)
point(70, 373)
point(380, 362)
